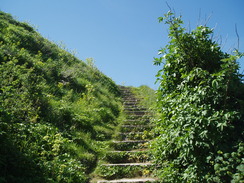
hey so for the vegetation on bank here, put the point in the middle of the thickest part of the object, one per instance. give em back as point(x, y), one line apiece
point(201, 101)
point(146, 95)
point(56, 111)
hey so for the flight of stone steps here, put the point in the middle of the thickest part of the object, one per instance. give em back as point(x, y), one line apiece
point(129, 159)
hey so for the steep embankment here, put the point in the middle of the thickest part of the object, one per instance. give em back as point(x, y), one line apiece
point(55, 110)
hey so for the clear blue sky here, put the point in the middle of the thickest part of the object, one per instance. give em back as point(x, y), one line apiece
point(123, 36)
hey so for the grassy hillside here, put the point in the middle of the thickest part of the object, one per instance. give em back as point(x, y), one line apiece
point(56, 112)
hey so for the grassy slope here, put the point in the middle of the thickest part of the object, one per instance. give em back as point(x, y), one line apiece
point(147, 96)
point(56, 112)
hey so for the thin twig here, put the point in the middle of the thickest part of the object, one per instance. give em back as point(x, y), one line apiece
point(207, 20)
point(199, 17)
point(238, 39)
point(168, 6)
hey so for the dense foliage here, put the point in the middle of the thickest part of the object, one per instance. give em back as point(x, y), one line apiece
point(55, 110)
point(201, 101)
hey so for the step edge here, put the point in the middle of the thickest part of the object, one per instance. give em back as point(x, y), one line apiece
point(129, 180)
point(128, 164)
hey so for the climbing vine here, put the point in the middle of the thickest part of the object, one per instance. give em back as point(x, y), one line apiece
point(200, 98)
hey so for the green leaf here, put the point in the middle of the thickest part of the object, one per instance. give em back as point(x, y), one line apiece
point(215, 84)
point(160, 19)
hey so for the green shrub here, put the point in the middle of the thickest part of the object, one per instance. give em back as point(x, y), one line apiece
point(201, 104)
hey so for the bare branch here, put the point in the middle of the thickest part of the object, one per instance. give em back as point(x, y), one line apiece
point(199, 17)
point(168, 6)
point(207, 20)
point(170, 9)
point(238, 38)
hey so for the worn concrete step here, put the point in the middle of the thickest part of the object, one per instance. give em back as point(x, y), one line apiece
point(136, 121)
point(135, 109)
point(126, 90)
point(131, 98)
point(135, 128)
point(133, 136)
point(130, 141)
point(128, 164)
point(133, 180)
point(125, 170)
point(129, 144)
point(146, 116)
point(136, 112)
point(131, 104)
point(136, 156)
point(126, 94)
point(130, 109)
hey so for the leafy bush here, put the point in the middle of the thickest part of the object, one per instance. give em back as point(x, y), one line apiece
point(54, 109)
point(200, 98)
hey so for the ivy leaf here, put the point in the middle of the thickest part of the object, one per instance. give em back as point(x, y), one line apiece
point(215, 84)
point(160, 19)
point(157, 61)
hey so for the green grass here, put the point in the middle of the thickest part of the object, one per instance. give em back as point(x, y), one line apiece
point(57, 112)
point(147, 95)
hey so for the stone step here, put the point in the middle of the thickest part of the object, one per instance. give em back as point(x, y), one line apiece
point(134, 180)
point(146, 116)
point(136, 121)
point(139, 116)
point(127, 94)
point(126, 90)
point(136, 112)
point(130, 141)
point(136, 102)
point(135, 128)
point(126, 145)
point(130, 98)
point(125, 170)
point(135, 109)
point(133, 136)
point(130, 104)
point(136, 156)
point(128, 164)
